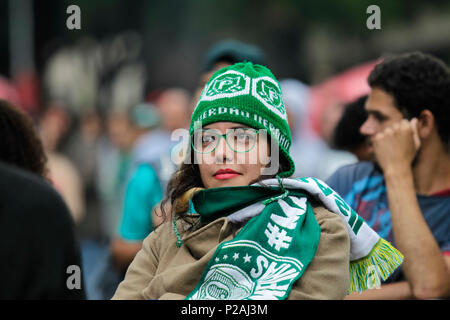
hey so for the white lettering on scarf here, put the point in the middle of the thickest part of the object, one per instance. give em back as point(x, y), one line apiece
point(278, 238)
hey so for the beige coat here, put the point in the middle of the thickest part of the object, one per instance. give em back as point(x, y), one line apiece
point(161, 270)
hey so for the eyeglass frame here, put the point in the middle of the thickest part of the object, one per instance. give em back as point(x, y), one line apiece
point(224, 136)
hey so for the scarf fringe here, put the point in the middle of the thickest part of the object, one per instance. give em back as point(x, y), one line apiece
point(366, 273)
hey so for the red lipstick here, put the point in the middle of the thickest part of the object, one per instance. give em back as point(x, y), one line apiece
point(223, 174)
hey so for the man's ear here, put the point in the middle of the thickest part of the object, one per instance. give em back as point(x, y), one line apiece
point(426, 124)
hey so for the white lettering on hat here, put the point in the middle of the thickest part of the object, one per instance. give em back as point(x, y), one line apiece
point(234, 111)
point(222, 110)
point(245, 114)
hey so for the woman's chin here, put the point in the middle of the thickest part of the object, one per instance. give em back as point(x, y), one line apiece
point(235, 181)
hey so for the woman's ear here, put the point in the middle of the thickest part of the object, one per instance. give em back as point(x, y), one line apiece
point(425, 124)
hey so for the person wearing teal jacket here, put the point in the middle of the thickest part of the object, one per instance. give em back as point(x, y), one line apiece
point(142, 194)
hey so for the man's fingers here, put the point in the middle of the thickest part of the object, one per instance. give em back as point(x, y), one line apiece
point(399, 129)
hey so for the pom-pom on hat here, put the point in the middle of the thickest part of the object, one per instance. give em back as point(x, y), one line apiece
point(246, 93)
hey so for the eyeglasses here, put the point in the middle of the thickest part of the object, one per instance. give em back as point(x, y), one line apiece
point(239, 140)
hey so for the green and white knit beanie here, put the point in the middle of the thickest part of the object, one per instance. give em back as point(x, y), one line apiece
point(246, 93)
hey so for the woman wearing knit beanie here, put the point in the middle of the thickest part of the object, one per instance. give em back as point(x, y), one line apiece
point(238, 227)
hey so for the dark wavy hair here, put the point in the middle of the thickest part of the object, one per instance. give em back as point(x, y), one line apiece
point(417, 81)
point(20, 144)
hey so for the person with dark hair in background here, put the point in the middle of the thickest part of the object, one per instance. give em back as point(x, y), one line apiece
point(405, 193)
point(20, 144)
point(226, 53)
point(36, 229)
point(346, 135)
point(40, 257)
point(322, 159)
point(54, 124)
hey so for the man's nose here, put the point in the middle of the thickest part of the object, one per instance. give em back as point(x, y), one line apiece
point(368, 128)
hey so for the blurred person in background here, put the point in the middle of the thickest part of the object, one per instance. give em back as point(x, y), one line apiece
point(174, 113)
point(134, 137)
point(114, 161)
point(322, 159)
point(83, 148)
point(226, 53)
point(38, 242)
point(404, 193)
point(36, 228)
point(347, 135)
point(54, 124)
point(331, 158)
point(296, 100)
point(173, 106)
point(144, 188)
point(73, 128)
point(113, 158)
point(130, 166)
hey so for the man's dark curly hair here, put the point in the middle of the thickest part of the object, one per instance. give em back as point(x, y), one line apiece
point(417, 81)
point(20, 144)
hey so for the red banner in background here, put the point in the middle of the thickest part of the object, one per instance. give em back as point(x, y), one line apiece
point(27, 84)
point(9, 92)
point(23, 92)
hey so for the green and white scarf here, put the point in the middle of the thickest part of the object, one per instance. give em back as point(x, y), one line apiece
point(276, 245)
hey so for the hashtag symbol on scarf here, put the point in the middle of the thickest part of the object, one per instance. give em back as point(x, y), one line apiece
point(276, 238)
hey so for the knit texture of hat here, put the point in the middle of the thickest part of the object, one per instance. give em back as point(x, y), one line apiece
point(249, 94)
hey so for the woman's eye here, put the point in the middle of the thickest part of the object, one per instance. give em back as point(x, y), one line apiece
point(207, 139)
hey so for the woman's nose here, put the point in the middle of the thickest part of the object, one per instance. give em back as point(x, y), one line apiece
point(223, 153)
